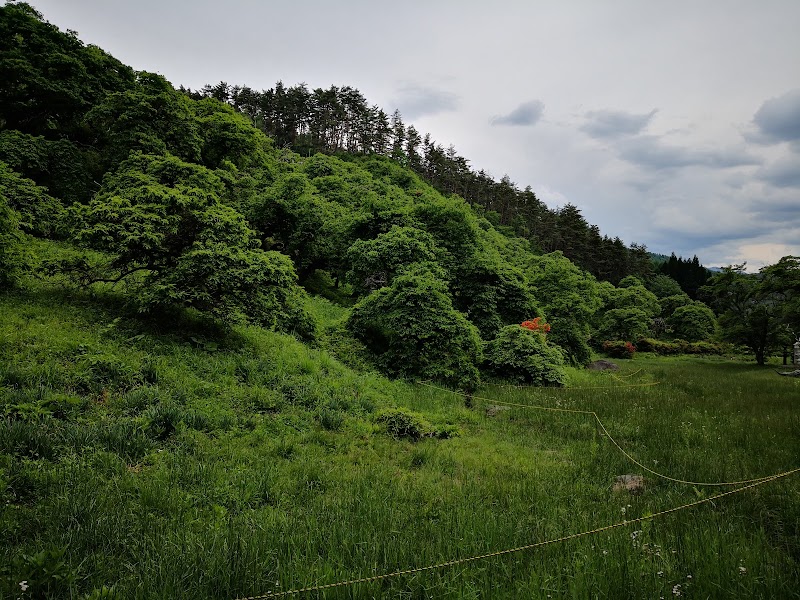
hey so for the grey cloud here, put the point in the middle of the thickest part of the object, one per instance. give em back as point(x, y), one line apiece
point(416, 100)
point(783, 173)
point(614, 123)
point(649, 151)
point(687, 242)
point(526, 114)
point(778, 119)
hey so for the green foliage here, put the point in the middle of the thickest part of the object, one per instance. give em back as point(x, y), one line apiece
point(374, 263)
point(50, 78)
point(633, 295)
point(619, 349)
point(624, 324)
point(13, 257)
point(492, 293)
point(413, 330)
point(165, 230)
point(403, 424)
point(750, 311)
point(693, 323)
point(670, 303)
point(228, 136)
point(46, 574)
point(678, 347)
point(296, 220)
point(519, 354)
point(40, 214)
point(453, 226)
point(663, 286)
point(782, 282)
point(65, 169)
point(152, 118)
point(569, 297)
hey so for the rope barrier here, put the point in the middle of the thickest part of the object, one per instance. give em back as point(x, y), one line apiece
point(607, 434)
point(461, 561)
point(570, 389)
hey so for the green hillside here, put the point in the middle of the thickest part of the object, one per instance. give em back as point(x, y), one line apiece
point(245, 352)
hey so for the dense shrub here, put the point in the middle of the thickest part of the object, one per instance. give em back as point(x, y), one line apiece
point(657, 346)
point(677, 347)
point(624, 324)
point(403, 424)
point(12, 255)
point(704, 348)
point(523, 355)
point(569, 297)
point(671, 303)
point(693, 322)
point(38, 212)
point(374, 263)
point(168, 234)
point(412, 330)
point(619, 349)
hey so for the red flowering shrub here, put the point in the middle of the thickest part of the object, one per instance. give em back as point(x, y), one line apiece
point(536, 325)
point(619, 349)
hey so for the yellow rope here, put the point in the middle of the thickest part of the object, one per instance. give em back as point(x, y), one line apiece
point(608, 435)
point(461, 561)
point(567, 389)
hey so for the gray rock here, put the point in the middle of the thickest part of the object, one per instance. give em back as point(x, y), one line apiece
point(602, 365)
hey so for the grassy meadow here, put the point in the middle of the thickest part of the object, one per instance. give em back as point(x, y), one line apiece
point(169, 461)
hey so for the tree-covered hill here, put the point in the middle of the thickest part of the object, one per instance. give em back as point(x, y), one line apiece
point(235, 204)
point(340, 120)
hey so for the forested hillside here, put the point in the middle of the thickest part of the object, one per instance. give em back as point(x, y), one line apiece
point(257, 342)
point(340, 120)
point(234, 204)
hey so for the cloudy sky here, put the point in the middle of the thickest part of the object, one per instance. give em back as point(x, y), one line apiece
point(672, 124)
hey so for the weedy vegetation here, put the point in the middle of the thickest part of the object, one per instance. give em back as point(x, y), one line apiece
point(179, 464)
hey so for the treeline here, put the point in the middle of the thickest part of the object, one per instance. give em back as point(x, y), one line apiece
point(689, 273)
point(182, 205)
point(340, 120)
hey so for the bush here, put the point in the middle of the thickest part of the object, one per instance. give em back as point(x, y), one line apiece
point(678, 347)
point(704, 348)
point(170, 236)
point(412, 330)
point(624, 324)
point(657, 346)
point(403, 424)
point(523, 355)
point(12, 256)
point(693, 322)
point(571, 337)
point(619, 349)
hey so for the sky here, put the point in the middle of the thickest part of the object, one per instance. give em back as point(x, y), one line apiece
point(671, 124)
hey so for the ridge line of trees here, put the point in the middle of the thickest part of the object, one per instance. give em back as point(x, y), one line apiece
point(339, 120)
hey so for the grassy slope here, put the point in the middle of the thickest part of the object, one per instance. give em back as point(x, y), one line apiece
point(174, 466)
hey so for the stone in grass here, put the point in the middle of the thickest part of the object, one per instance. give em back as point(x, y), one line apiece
point(629, 483)
point(493, 411)
point(602, 365)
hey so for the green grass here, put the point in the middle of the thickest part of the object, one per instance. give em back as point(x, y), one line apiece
point(169, 462)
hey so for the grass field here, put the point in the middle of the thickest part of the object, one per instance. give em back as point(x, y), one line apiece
point(145, 462)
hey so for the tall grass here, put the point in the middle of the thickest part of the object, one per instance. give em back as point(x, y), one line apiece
point(187, 466)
